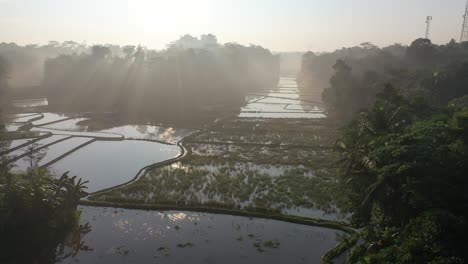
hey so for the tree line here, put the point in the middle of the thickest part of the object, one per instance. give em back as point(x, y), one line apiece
point(189, 79)
point(354, 76)
point(404, 149)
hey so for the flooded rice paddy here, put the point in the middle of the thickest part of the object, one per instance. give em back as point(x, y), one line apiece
point(55, 151)
point(150, 132)
point(110, 163)
point(12, 127)
point(42, 142)
point(251, 166)
point(31, 103)
point(291, 190)
point(49, 117)
point(103, 136)
point(11, 144)
point(67, 125)
point(23, 118)
point(217, 173)
point(103, 158)
point(284, 102)
point(282, 115)
point(135, 236)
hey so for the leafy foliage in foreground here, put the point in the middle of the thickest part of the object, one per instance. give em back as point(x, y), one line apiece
point(405, 172)
point(37, 212)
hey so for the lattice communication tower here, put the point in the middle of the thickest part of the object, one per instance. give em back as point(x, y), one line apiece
point(464, 34)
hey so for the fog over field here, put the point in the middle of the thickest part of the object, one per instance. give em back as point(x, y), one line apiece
point(219, 131)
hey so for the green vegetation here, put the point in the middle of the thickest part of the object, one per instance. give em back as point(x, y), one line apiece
point(400, 166)
point(261, 245)
point(351, 78)
point(309, 133)
point(238, 186)
point(408, 185)
point(37, 213)
point(346, 242)
point(4, 70)
point(177, 84)
point(316, 158)
point(184, 245)
point(404, 153)
point(286, 180)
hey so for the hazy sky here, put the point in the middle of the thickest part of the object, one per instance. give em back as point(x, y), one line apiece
point(280, 25)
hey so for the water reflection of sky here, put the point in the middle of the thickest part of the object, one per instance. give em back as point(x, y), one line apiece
point(49, 117)
point(284, 102)
point(31, 103)
point(149, 132)
point(135, 236)
point(284, 115)
point(104, 163)
point(69, 125)
point(109, 163)
point(23, 118)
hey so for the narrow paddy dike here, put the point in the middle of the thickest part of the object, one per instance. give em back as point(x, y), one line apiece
point(32, 140)
point(35, 126)
point(182, 154)
point(142, 172)
point(307, 221)
point(185, 152)
point(180, 147)
point(25, 154)
point(287, 101)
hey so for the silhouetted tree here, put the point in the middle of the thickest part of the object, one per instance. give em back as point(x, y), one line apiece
point(422, 51)
point(177, 83)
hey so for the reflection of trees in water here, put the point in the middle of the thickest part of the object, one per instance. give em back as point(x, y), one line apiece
point(4, 144)
point(73, 243)
point(152, 132)
point(42, 244)
point(34, 154)
point(38, 212)
point(167, 133)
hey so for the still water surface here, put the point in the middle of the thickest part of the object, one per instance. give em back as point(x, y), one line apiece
point(135, 236)
point(109, 163)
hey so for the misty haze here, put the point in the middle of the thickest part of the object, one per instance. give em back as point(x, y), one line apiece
point(269, 131)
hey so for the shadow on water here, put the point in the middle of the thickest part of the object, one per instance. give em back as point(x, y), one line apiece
point(41, 243)
point(137, 236)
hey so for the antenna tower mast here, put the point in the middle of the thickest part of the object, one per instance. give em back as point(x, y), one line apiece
point(428, 28)
point(464, 34)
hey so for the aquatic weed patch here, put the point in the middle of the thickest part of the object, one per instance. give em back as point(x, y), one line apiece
point(305, 132)
point(257, 178)
point(244, 186)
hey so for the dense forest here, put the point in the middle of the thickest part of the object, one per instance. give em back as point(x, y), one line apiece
point(404, 147)
point(185, 81)
point(26, 63)
point(4, 70)
point(352, 77)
